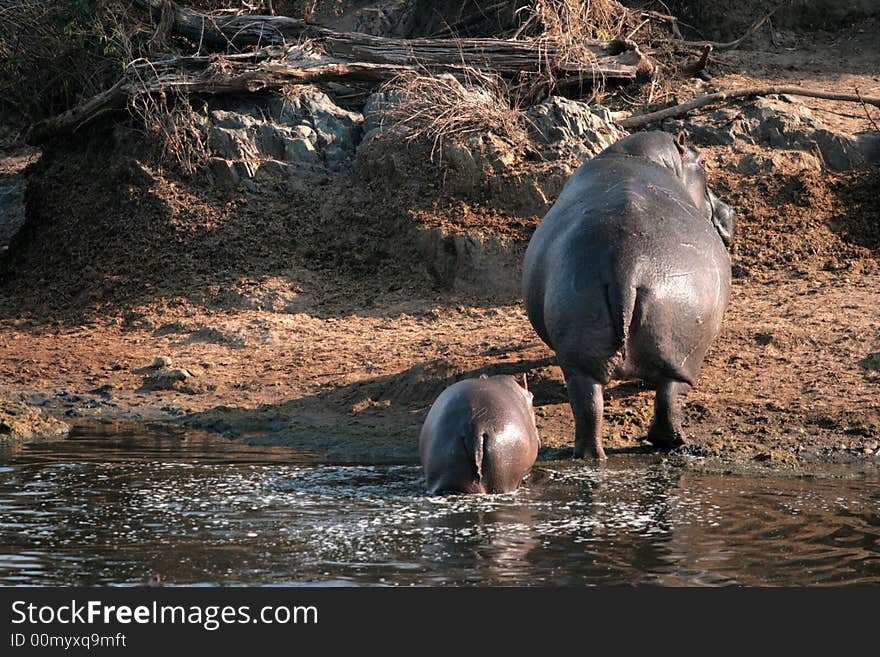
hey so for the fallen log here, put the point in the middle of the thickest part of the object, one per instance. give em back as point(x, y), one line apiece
point(596, 59)
point(344, 57)
point(214, 74)
point(641, 120)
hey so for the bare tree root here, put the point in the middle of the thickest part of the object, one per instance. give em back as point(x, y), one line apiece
point(731, 45)
point(721, 96)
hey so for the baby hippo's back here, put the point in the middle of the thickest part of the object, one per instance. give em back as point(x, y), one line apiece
point(479, 437)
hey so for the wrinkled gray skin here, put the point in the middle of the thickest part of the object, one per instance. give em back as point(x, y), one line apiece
point(628, 276)
point(479, 437)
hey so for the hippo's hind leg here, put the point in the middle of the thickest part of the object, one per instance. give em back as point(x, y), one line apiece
point(585, 396)
point(666, 431)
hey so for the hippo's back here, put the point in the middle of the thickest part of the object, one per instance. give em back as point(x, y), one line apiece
point(624, 277)
point(479, 436)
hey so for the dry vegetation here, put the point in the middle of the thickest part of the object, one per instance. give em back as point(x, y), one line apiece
point(54, 55)
point(440, 107)
point(573, 22)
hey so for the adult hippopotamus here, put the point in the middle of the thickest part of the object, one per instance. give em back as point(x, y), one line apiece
point(628, 276)
point(479, 436)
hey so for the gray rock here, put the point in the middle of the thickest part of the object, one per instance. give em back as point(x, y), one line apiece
point(271, 140)
point(273, 169)
point(300, 150)
point(307, 130)
point(783, 124)
point(375, 113)
point(231, 119)
point(716, 128)
point(569, 127)
point(232, 143)
point(331, 124)
point(225, 174)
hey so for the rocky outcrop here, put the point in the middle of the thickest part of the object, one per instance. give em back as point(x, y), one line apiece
point(782, 124)
point(280, 136)
point(563, 128)
point(307, 133)
point(23, 423)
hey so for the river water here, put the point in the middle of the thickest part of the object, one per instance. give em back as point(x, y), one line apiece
point(114, 509)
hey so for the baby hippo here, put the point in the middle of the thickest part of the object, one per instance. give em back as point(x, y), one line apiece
point(479, 436)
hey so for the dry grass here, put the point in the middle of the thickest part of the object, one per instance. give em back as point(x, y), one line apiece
point(442, 107)
point(55, 54)
point(567, 27)
point(173, 129)
point(572, 22)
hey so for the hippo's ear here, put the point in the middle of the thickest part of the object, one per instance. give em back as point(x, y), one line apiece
point(522, 382)
point(681, 143)
point(724, 219)
point(484, 376)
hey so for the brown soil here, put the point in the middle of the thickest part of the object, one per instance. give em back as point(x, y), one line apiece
point(308, 319)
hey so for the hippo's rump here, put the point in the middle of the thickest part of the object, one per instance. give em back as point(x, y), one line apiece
point(479, 436)
point(624, 278)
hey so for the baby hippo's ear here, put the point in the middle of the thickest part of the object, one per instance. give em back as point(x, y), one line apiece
point(522, 382)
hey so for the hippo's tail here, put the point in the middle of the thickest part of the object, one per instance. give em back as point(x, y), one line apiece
point(474, 445)
point(622, 301)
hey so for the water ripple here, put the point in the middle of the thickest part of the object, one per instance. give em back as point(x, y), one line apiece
point(71, 520)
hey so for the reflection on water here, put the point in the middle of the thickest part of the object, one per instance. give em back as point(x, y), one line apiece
point(111, 510)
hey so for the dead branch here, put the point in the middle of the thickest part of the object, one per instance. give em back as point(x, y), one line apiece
point(731, 45)
point(343, 56)
point(604, 59)
point(749, 92)
point(865, 109)
point(672, 21)
point(212, 75)
point(693, 68)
